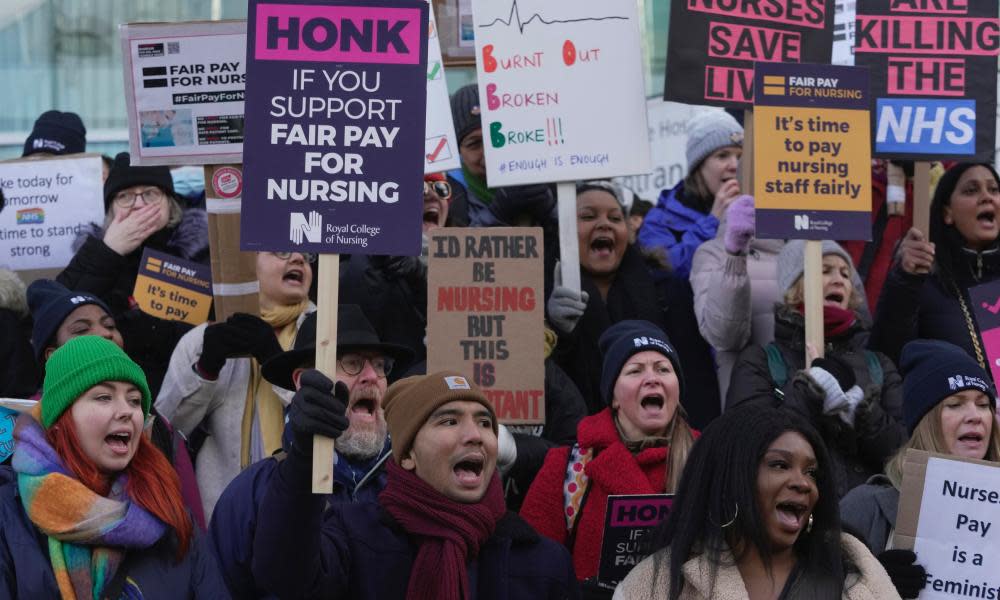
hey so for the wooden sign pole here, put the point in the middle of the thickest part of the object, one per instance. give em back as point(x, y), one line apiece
point(326, 361)
point(569, 247)
point(812, 287)
point(746, 159)
point(921, 197)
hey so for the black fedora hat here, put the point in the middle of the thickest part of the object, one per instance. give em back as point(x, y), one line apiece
point(354, 332)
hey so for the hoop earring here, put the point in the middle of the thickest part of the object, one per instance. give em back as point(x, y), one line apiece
point(730, 522)
point(809, 525)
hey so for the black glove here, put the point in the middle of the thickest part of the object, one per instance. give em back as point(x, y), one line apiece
point(239, 335)
point(399, 267)
point(536, 201)
point(840, 370)
point(317, 411)
point(908, 577)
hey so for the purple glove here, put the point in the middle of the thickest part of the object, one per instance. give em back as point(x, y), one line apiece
point(739, 225)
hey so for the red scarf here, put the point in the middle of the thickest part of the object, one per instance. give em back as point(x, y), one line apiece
point(449, 532)
point(836, 320)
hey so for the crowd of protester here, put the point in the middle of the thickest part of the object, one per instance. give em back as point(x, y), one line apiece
point(169, 461)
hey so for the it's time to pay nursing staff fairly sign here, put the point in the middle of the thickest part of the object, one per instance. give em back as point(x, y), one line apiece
point(335, 104)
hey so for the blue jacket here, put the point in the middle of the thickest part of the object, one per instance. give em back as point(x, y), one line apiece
point(153, 574)
point(233, 527)
point(677, 229)
point(358, 551)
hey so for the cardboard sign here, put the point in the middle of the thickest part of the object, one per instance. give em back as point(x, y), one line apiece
point(668, 125)
point(934, 76)
point(172, 288)
point(948, 516)
point(986, 309)
point(627, 519)
point(561, 89)
point(713, 45)
point(184, 88)
point(48, 202)
point(812, 165)
point(440, 145)
point(335, 127)
point(485, 307)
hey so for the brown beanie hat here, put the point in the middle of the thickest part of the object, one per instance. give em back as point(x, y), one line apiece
point(410, 401)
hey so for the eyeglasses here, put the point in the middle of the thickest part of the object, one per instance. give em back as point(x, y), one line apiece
point(352, 364)
point(151, 195)
point(441, 188)
point(309, 257)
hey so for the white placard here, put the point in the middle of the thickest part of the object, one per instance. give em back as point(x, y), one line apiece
point(843, 33)
point(184, 87)
point(958, 533)
point(441, 149)
point(561, 89)
point(668, 126)
point(48, 201)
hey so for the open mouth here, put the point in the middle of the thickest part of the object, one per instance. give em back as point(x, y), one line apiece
point(835, 297)
point(294, 276)
point(971, 438)
point(652, 401)
point(118, 441)
point(469, 470)
point(791, 515)
point(432, 212)
point(365, 406)
point(987, 217)
point(603, 245)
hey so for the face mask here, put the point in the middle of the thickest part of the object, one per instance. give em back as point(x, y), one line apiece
point(188, 181)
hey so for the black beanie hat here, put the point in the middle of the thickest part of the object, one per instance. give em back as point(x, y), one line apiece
point(50, 303)
point(465, 111)
point(123, 175)
point(932, 371)
point(625, 338)
point(56, 133)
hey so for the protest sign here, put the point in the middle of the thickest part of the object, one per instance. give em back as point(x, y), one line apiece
point(440, 146)
point(627, 520)
point(843, 32)
point(484, 315)
point(172, 288)
point(561, 90)
point(934, 76)
point(48, 203)
point(947, 512)
point(234, 274)
point(812, 168)
point(713, 45)
point(184, 89)
point(668, 125)
point(335, 110)
point(9, 409)
point(986, 309)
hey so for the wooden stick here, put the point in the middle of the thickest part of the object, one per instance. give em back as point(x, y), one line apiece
point(812, 287)
point(569, 247)
point(746, 161)
point(922, 197)
point(326, 362)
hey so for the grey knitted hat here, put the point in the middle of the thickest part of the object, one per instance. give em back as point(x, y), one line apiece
point(709, 131)
point(465, 111)
point(791, 262)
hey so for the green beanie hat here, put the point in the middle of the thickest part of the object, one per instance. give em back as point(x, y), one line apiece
point(79, 365)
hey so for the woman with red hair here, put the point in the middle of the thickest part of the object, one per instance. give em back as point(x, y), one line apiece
point(96, 509)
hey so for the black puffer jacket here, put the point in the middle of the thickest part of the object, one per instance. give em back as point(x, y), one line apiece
point(639, 292)
point(98, 269)
point(856, 452)
point(927, 306)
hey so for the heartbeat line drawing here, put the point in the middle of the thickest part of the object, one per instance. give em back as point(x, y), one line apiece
point(515, 18)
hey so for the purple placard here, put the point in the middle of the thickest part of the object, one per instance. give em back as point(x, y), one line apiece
point(627, 520)
point(986, 309)
point(335, 104)
point(848, 89)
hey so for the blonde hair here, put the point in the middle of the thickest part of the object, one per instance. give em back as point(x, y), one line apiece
point(176, 213)
point(929, 436)
point(680, 447)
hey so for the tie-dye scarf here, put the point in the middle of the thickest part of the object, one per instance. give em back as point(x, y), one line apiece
point(87, 533)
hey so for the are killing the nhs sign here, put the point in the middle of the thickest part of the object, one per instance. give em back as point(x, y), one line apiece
point(926, 126)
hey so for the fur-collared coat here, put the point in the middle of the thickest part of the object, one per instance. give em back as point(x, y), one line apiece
point(647, 582)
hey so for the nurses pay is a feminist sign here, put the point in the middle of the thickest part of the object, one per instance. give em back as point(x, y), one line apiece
point(335, 104)
point(561, 90)
point(812, 156)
